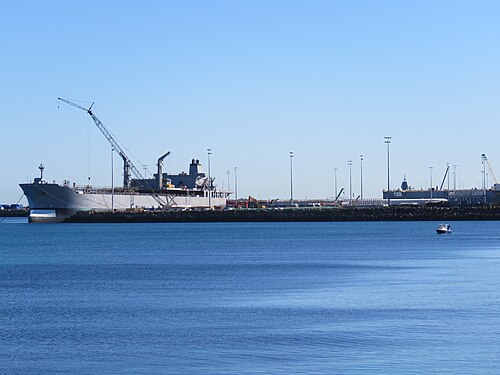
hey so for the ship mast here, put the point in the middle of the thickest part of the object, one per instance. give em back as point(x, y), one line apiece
point(41, 167)
point(127, 164)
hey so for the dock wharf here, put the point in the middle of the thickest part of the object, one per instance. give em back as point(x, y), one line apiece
point(293, 215)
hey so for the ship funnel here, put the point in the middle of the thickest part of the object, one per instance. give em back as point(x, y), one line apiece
point(159, 175)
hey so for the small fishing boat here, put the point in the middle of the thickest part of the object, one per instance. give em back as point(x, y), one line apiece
point(443, 229)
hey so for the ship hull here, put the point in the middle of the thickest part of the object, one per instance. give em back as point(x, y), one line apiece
point(54, 203)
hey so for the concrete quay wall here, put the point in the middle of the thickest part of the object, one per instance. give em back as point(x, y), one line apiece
point(14, 213)
point(293, 215)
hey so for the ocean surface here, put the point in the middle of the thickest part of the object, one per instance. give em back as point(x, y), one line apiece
point(249, 298)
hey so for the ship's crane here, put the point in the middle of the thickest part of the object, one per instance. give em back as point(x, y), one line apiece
point(490, 169)
point(445, 174)
point(127, 164)
point(339, 194)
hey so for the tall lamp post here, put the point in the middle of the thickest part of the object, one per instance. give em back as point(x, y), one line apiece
point(430, 177)
point(291, 177)
point(454, 177)
point(236, 185)
point(448, 175)
point(483, 158)
point(361, 177)
point(335, 174)
point(349, 163)
point(112, 181)
point(209, 152)
point(387, 141)
point(228, 180)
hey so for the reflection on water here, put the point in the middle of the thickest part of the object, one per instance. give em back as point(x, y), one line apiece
point(13, 220)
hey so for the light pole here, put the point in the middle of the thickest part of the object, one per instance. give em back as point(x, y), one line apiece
point(430, 176)
point(228, 180)
point(236, 185)
point(388, 142)
point(209, 152)
point(112, 181)
point(291, 177)
point(335, 174)
point(448, 175)
point(454, 177)
point(361, 177)
point(483, 158)
point(349, 163)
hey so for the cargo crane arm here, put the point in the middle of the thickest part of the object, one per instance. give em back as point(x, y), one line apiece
point(490, 169)
point(338, 195)
point(444, 178)
point(128, 165)
point(111, 140)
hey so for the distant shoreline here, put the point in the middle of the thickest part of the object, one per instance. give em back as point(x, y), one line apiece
point(341, 214)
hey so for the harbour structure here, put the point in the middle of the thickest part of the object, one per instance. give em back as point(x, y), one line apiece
point(52, 202)
point(408, 196)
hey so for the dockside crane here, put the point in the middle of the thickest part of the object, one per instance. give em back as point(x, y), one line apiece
point(127, 164)
point(338, 195)
point(490, 169)
point(444, 178)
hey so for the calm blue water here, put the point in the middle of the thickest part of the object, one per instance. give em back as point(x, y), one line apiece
point(249, 298)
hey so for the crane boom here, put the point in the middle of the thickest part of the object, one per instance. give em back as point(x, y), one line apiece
point(490, 169)
point(111, 140)
point(444, 177)
point(127, 164)
point(338, 195)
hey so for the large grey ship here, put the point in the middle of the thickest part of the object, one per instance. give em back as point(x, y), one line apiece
point(52, 202)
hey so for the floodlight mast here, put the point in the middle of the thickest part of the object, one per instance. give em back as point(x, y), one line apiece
point(127, 164)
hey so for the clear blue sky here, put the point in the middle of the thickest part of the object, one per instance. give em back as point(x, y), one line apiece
point(252, 80)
